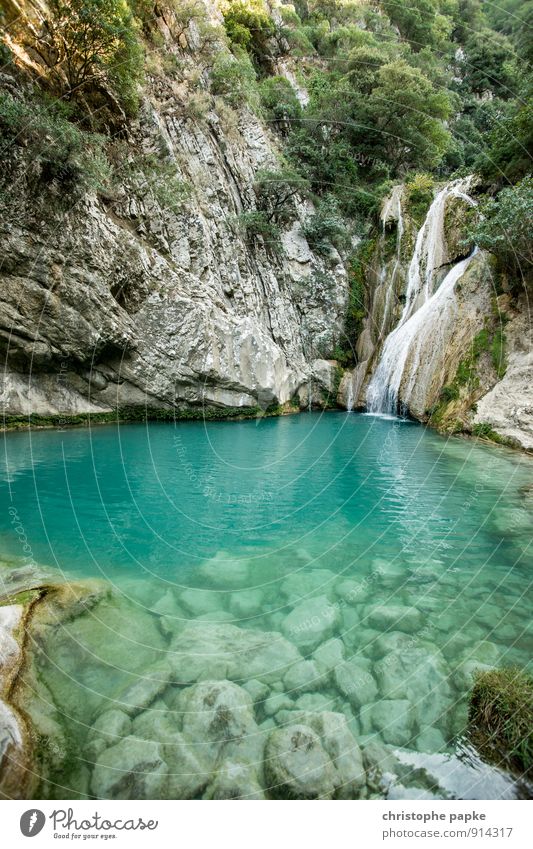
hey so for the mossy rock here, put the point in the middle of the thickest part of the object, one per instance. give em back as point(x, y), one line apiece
point(457, 222)
point(501, 717)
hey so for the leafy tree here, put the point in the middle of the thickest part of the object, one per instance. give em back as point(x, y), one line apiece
point(276, 191)
point(506, 228)
point(325, 228)
point(233, 76)
point(488, 58)
point(416, 20)
point(86, 43)
point(279, 100)
point(249, 26)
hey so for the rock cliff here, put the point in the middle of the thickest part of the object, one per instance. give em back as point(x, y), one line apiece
point(119, 300)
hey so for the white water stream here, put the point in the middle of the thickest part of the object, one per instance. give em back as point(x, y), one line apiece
point(418, 328)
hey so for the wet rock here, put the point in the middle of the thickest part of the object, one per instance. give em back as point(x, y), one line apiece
point(277, 702)
point(157, 723)
point(167, 605)
point(464, 674)
point(485, 652)
point(225, 572)
point(187, 775)
point(350, 591)
point(234, 780)
point(395, 616)
point(302, 677)
point(302, 584)
point(220, 651)
point(198, 602)
point(328, 655)
point(430, 740)
point(141, 693)
point(342, 748)
point(314, 701)
point(389, 573)
point(217, 716)
point(246, 603)
point(393, 718)
point(256, 689)
point(311, 622)
point(107, 730)
point(392, 642)
point(132, 769)
point(355, 682)
point(419, 676)
point(296, 766)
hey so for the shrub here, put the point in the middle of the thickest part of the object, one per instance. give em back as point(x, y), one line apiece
point(280, 103)
point(419, 196)
point(276, 191)
point(233, 77)
point(256, 225)
point(87, 42)
point(506, 228)
point(501, 717)
point(66, 155)
point(326, 228)
point(249, 26)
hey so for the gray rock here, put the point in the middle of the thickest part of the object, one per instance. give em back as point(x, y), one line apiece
point(328, 655)
point(355, 682)
point(132, 769)
point(107, 730)
point(141, 693)
point(395, 616)
point(421, 676)
point(311, 622)
point(256, 689)
point(430, 740)
point(296, 766)
point(277, 702)
point(234, 780)
point(393, 718)
point(302, 677)
point(197, 602)
point(389, 573)
point(245, 603)
point(306, 582)
point(220, 651)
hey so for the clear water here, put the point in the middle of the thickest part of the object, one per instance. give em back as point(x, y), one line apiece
point(282, 511)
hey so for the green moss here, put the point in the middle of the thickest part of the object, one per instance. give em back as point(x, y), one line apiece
point(501, 717)
point(420, 190)
point(139, 414)
point(24, 597)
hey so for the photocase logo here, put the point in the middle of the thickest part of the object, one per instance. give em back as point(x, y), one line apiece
point(32, 822)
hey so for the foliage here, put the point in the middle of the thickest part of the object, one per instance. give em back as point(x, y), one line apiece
point(420, 192)
point(234, 78)
point(257, 226)
point(280, 103)
point(62, 153)
point(250, 27)
point(501, 716)
point(86, 43)
point(276, 190)
point(325, 227)
point(506, 228)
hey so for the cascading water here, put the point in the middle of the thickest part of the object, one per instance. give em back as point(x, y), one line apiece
point(422, 308)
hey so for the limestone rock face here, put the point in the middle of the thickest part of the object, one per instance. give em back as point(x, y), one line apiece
point(125, 302)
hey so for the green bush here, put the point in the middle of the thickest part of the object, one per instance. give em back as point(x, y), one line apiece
point(506, 228)
point(279, 102)
point(65, 154)
point(325, 228)
point(249, 26)
point(501, 717)
point(256, 226)
point(91, 42)
point(420, 192)
point(234, 78)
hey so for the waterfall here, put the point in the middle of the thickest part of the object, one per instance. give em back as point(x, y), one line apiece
point(418, 327)
point(349, 397)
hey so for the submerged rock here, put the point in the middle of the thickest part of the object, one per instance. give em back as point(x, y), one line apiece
point(133, 769)
point(311, 622)
point(220, 651)
point(393, 718)
point(296, 766)
point(355, 682)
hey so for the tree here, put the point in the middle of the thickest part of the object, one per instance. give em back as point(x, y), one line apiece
point(506, 229)
point(90, 42)
point(407, 113)
point(275, 191)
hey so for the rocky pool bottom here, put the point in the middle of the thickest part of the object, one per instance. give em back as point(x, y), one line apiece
point(282, 680)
